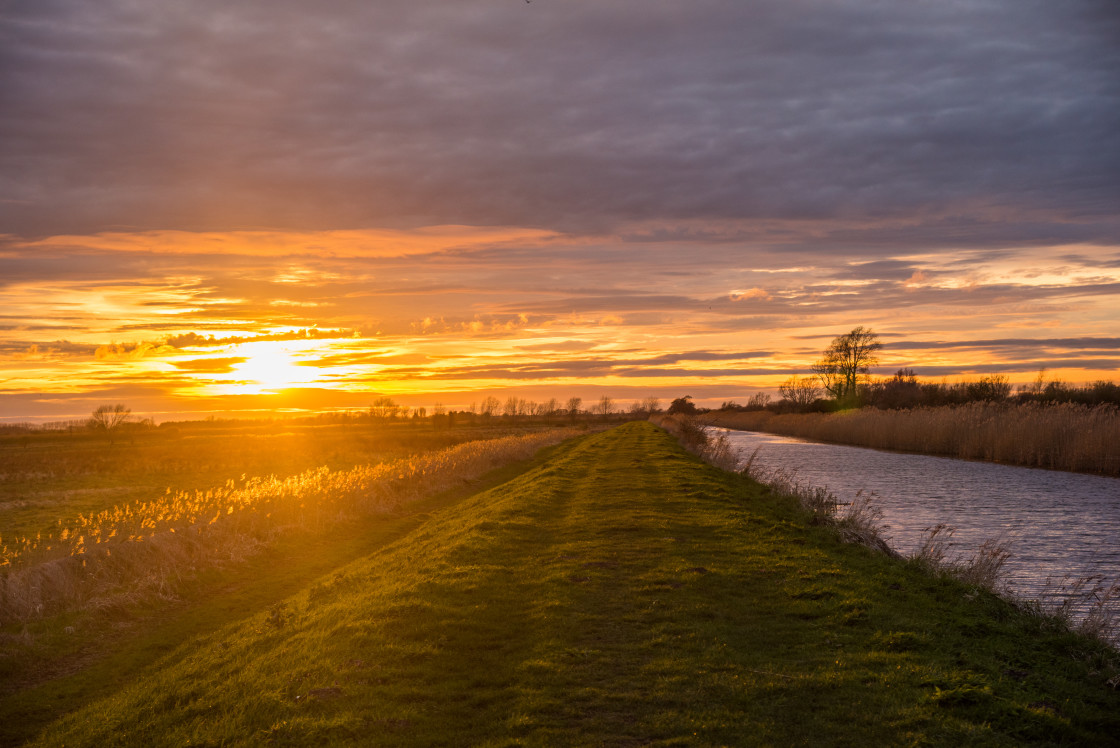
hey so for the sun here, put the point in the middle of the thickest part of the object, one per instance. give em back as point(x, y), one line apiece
point(268, 367)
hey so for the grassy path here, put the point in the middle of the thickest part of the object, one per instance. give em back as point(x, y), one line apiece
point(622, 593)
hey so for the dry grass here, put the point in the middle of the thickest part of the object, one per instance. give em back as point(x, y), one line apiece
point(141, 550)
point(714, 451)
point(1059, 437)
point(1089, 605)
point(983, 569)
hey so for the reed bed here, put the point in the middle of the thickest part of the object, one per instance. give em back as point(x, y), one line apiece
point(140, 550)
point(1067, 436)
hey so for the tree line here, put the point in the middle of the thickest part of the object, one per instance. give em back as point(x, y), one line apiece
point(841, 379)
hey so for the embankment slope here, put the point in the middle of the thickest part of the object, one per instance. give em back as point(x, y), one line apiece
point(622, 594)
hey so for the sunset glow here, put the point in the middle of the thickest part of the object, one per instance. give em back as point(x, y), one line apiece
point(671, 210)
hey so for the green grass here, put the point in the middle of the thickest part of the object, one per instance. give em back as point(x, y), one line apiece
point(619, 593)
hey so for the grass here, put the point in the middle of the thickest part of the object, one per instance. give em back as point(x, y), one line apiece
point(47, 475)
point(1066, 436)
point(63, 671)
point(145, 550)
point(619, 593)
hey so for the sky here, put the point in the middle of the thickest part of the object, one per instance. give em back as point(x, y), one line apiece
point(229, 208)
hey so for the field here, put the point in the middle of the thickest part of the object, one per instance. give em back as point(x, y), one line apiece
point(613, 591)
point(1066, 436)
point(48, 475)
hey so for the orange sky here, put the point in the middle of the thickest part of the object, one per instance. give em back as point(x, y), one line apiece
point(177, 322)
point(218, 208)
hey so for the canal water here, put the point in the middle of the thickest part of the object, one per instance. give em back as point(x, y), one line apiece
point(1057, 525)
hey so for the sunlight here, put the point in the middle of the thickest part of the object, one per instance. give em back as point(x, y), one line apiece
point(268, 367)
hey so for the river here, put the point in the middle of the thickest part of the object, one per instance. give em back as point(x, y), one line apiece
point(1057, 525)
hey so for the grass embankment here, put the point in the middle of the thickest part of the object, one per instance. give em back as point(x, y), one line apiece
point(622, 593)
point(1070, 437)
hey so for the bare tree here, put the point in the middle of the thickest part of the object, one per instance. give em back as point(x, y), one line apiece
point(384, 407)
point(490, 406)
point(573, 407)
point(605, 406)
point(758, 400)
point(108, 417)
point(651, 404)
point(512, 404)
point(847, 359)
point(800, 391)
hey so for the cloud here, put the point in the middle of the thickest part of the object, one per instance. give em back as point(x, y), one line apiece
point(210, 365)
point(959, 122)
point(1082, 344)
point(194, 340)
point(370, 243)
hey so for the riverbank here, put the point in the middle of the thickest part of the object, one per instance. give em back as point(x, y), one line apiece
point(620, 592)
point(1070, 437)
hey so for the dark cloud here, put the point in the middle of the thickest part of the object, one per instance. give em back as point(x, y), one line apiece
point(1079, 344)
point(980, 122)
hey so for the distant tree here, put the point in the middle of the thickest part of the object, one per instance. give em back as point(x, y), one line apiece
point(651, 404)
point(900, 391)
point(490, 406)
point(384, 408)
point(800, 392)
point(758, 401)
point(993, 388)
point(108, 418)
point(684, 406)
point(574, 404)
point(848, 358)
point(605, 406)
point(511, 407)
point(551, 408)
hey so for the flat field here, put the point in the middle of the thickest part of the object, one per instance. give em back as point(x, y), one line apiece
point(614, 591)
point(50, 475)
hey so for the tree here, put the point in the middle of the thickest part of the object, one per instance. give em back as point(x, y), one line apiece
point(384, 407)
point(992, 388)
point(605, 406)
point(758, 401)
point(490, 406)
point(550, 409)
point(108, 417)
point(573, 407)
point(800, 392)
point(900, 391)
point(847, 359)
point(684, 406)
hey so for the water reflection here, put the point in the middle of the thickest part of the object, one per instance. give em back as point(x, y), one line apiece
point(1058, 524)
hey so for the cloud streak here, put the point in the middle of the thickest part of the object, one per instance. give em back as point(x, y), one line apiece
point(478, 195)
